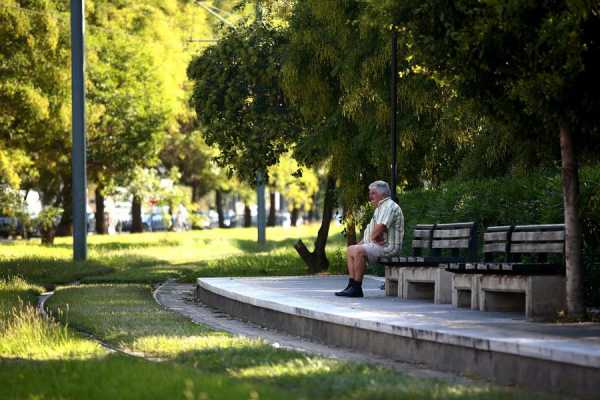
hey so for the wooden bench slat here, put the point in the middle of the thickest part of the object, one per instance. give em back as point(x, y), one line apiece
point(422, 244)
point(548, 236)
point(451, 244)
point(537, 247)
point(547, 227)
point(457, 225)
point(494, 247)
point(495, 236)
point(451, 233)
point(419, 233)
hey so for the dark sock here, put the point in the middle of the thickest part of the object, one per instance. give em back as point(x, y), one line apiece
point(357, 284)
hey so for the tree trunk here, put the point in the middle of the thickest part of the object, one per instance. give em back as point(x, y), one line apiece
point(136, 215)
point(317, 260)
point(573, 261)
point(219, 205)
point(65, 226)
point(294, 216)
point(194, 192)
point(101, 227)
point(350, 233)
point(271, 220)
point(247, 216)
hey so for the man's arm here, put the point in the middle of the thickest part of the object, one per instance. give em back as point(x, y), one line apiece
point(377, 233)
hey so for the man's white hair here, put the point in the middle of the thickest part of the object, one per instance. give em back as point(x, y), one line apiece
point(381, 186)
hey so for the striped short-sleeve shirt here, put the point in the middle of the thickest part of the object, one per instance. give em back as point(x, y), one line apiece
point(389, 214)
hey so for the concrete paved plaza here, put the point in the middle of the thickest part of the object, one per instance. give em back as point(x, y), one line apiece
point(486, 343)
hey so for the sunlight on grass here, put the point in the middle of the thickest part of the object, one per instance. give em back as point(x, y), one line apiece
point(127, 316)
point(154, 257)
point(28, 335)
point(164, 345)
point(296, 367)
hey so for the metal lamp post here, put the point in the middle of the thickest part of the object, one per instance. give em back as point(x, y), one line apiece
point(78, 131)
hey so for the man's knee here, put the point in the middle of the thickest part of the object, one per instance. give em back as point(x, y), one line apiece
point(356, 250)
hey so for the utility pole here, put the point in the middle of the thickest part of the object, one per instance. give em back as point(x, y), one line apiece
point(78, 131)
point(393, 108)
point(261, 214)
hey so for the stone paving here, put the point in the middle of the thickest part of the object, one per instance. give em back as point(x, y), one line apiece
point(179, 298)
point(312, 296)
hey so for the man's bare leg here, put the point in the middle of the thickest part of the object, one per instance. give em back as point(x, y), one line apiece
point(356, 262)
point(356, 266)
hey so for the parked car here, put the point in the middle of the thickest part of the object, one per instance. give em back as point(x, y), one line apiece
point(156, 221)
point(8, 226)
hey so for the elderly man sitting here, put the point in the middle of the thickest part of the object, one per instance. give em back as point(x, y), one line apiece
point(382, 237)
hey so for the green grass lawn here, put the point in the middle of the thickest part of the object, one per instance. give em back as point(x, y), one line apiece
point(154, 257)
point(56, 358)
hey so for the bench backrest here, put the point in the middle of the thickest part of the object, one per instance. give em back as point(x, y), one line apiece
point(511, 242)
point(537, 240)
point(496, 243)
point(422, 239)
point(457, 239)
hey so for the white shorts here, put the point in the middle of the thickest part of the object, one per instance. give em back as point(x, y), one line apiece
point(373, 251)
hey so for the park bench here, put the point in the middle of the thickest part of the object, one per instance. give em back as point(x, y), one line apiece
point(522, 270)
point(423, 275)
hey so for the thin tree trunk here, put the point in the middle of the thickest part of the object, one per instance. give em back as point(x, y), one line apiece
point(271, 220)
point(350, 233)
point(317, 260)
point(294, 216)
point(247, 216)
point(219, 206)
point(65, 226)
point(194, 192)
point(101, 227)
point(573, 261)
point(136, 215)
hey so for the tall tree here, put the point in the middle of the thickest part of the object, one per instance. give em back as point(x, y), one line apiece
point(526, 62)
point(239, 102)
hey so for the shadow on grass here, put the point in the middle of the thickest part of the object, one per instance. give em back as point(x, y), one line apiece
point(116, 376)
point(129, 317)
point(116, 246)
point(252, 246)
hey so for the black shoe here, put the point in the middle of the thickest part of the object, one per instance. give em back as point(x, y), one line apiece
point(352, 291)
point(351, 283)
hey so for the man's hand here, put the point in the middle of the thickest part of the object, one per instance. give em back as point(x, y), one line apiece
point(377, 234)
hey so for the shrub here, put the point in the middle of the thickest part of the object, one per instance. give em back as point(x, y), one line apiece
point(534, 199)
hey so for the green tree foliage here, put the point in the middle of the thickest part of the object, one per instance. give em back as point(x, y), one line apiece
point(337, 74)
point(531, 63)
point(297, 185)
point(239, 102)
point(188, 151)
point(34, 91)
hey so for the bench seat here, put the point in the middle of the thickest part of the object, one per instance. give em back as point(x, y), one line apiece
point(523, 270)
point(423, 275)
point(520, 268)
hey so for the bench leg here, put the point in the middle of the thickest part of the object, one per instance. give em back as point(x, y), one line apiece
point(443, 287)
point(546, 296)
point(541, 297)
point(465, 291)
point(393, 281)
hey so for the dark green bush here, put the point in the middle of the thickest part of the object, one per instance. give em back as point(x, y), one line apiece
point(534, 199)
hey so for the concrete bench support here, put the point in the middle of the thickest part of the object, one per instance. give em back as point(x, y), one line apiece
point(425, 283)
point(465, 291)
point(544, 296)
point(393, 281)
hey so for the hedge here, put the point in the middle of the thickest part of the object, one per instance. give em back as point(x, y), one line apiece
point(533, 199)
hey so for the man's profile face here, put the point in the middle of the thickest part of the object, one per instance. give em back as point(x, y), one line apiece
point(375, 197)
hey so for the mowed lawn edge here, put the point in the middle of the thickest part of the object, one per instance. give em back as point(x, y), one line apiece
point(128, 317)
